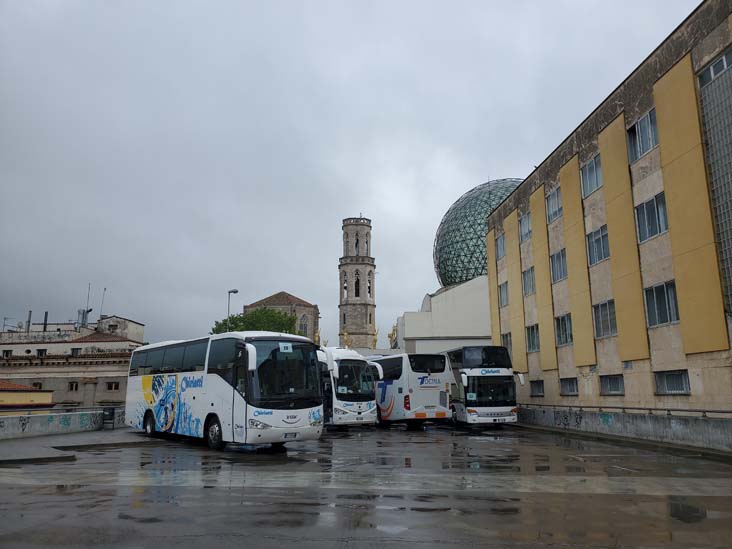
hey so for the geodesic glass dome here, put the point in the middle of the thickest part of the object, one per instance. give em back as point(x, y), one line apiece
point(459, 250)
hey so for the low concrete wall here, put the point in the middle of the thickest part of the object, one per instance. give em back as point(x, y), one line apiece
point(52, 423)
point(709, 433)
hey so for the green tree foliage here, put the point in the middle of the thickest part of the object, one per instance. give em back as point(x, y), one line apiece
point(269, 320)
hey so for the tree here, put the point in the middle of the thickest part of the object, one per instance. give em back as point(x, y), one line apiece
point(269, 320)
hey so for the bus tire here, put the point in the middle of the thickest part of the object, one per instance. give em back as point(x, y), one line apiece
point(148, 424)
point(380, 422)
point(214, 434)
point(278, 448)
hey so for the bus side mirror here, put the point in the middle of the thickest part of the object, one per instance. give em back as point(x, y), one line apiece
point(379, 369)
point(521, 378)
point(330, 361)
point(251, 357)
point(464, 378)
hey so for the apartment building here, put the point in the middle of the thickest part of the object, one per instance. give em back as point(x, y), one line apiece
point(610, 266)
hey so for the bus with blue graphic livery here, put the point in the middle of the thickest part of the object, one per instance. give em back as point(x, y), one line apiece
point(483, 389)
point(414, 389)
point(241, 387)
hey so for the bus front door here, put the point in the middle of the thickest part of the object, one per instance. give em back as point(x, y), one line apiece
point(239, 405)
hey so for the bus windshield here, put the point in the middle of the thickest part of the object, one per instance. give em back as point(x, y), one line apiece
point(355, 381)
point(287, 376)
point(484, 391)
point(486, 357)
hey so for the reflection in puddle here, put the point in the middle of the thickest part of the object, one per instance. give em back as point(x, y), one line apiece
point(390, 529)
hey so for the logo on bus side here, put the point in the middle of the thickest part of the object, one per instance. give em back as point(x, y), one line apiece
point(427, 380)
point(262, 413)
point(487, 371)
point(191, 382)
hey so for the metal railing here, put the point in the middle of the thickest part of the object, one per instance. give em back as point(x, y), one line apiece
point(632, 409)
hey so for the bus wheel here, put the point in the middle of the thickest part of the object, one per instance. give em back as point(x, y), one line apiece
point(380, 422)
point(148, 424)
point(278, 447)
point(214, 436)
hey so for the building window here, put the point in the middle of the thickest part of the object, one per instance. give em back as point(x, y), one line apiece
point(525, 227)
point(675, 382)
point(527, 281)
point(591, 176)
point(75, 351)
point(604, 317)
point(368, 282)
point(357, 285)
point(38, 386)
point(568, 386)
point(345, 244)
point(113, 386)
point(357, 245)
point(113, 327)
point(563, 329)
point(506, 342)
point(7, 353)
point(40, 353)
point(554, 205)
point(650, 217)
point(612, 385)
point(642, 136)
point(532, 338)
point(503, 294)
point(344, 318)
point(345, 286)
point(537, 388)
point(303, 329)
point(500, 246)
point(715, 68)
point(661, 306)
point(367, 244)
point(369, 319)
point(558, 263)
point(598, 246)
point(73, 386)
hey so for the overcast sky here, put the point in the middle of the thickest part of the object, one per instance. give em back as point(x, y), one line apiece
point(173, 150)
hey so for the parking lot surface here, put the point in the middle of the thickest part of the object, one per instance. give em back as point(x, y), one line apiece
point(371, 487)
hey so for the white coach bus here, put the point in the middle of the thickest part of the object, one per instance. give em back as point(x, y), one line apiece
point(484, 389)
point(349, 396)
point(414, 389)
point(243, 387)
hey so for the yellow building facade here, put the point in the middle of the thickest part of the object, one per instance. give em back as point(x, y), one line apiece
point(610, 266)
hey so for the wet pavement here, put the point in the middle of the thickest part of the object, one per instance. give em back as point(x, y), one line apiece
point(392, 488)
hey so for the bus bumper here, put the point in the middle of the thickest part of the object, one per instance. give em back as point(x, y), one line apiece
point(478, 420)
point(365, 418)
point(283, 434)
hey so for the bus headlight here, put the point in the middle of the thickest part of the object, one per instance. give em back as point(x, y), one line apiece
point(339, 412)
point(256, 424)
point(472, 412)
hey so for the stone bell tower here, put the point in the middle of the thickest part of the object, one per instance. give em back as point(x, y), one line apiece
point(357, 272)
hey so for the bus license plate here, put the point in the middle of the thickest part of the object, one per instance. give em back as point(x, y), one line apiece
point(290, 435)
point(359, 418)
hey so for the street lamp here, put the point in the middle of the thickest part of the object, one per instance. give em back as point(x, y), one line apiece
point(228, 306)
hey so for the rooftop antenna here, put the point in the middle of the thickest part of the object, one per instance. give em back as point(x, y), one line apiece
point(88, 291)
point(101, 307)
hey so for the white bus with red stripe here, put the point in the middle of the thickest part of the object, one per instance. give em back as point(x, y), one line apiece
point(415, 388)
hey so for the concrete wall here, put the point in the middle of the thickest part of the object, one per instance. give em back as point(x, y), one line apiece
point(709, 433)
point(53, 424)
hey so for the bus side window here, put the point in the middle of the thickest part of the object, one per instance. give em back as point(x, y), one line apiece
point(173, 359)
point(154, 363)
point(392, 368)
point(137, 364)
point(221, 358)
point(194, 358)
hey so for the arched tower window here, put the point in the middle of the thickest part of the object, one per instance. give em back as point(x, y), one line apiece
point(303, 330)
point(345, 286)
point(367, 244)
point(368, 285)
point(356, 244)
point(345, 244)
point(357, 285)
